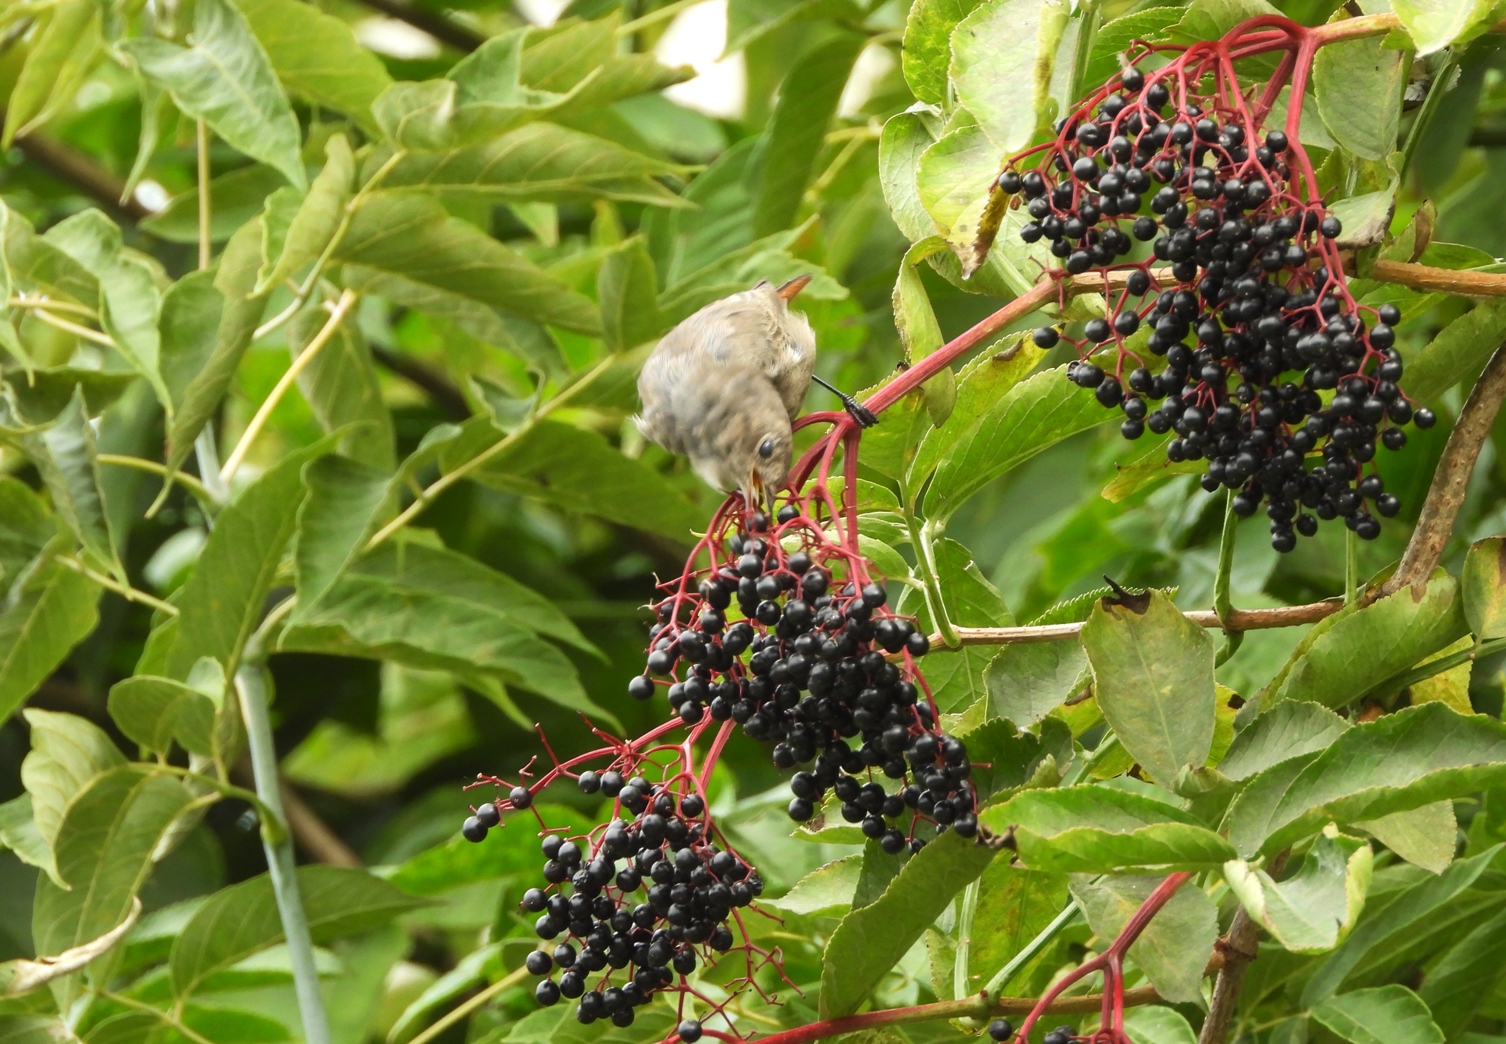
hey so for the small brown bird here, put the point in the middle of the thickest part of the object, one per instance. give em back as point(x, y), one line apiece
point(724, 385)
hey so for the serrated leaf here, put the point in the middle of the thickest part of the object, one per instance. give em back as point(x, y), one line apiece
point(1003, 55)
point(1014, 905)
point(1404, 915)
point(1157, 1024)
point(869, 941)
point(49, 610)
point(1378, 641)
point(1153, 676)
point(1288, 730)
point(242, 920)
point(1424, 837)
point(317, 55)
point(1099, 829)
point(318, 214)
point(1459, 348)
point(1380, 1015)
point(1174, 948)
point(104, 850)
point(1005, 758)
point(1313, 909)
point(825, 892)
point(1358, 85)
point(226, 79)
point(410, 235)
point(980, 385)
point(1403, 760)
point(1483, 586)
point(1113, 39)
point(1031, 416)
point(927, 45)
point(1458, 984)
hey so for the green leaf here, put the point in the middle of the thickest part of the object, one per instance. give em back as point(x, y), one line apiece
point(225, 596)
point(341, 387)
point(1031, 416)
point(870, 941)
point(578, 470)
point(1483, 584)
point(318, 216)
point(540, 162)
point(732, 272)
point(1312, 910)
point(104, 849)
point(1358, 85)
point(25, 527)
point(751, 20)
point(956, 677)
point(153, 711)
point(346, 502)
point(1113, 39)
point(1211, 19)
point(1404, 760)
point(1288, 730)
point(1424, 837)
point(1003, 55)
point(1380, 1015)
point(242, 920)
point(226, 80)
point(1470, 971)
point(1028, 681)
point(558, 1025)
point(39, 267)
point(235, 198)
point(49, 610)
point(918, 329)
point(410, 235)
point(35, 1029)
point(1459, 349)
point(628, 286)
point(1358, 653)
point(458, 862)
point(1153, 676)
point(1155, 1024)
point(980, 386)
point(1174, 948)
point(205, 368)
point(1435, 24)
point(1004, 758)
point(797, 129)
point(317, 56)
point(1014, 905)
point(129, 304)
point(927, 46)
point(1100, 829)
point(1404, 916)
point(67, 753)
point(825, 892)
point(63, 52)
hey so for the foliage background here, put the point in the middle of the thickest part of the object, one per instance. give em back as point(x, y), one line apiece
point(384, 706)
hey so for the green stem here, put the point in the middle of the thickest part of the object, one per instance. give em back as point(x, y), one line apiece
point(273, 824)
point(1032, 949)
point(925, 561)
point(202, 138)
point(158, 1013)
point(966, 912)
point(251, 688)
point(184, 479)
point(461, 1011)
point(1351, 566)
point(125, 591)
point(1223, 605)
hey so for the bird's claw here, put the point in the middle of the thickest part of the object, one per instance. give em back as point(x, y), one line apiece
point(865, 417)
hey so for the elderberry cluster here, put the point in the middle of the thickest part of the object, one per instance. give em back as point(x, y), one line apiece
point(816, 683)
point(1240, 303)
point(649, 897)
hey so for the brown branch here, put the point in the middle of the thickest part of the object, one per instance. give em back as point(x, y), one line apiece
point(85, 174)
point(1440, 280)
point(1238, 620)
point(1450, 481)
point(436, 25)
point(1238, 949)
point(449, 399)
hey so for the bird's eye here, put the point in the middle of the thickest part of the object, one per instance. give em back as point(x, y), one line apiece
point(767, 449)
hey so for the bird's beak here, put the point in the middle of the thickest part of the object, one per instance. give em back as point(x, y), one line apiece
point(753, 491)
point(794, 286)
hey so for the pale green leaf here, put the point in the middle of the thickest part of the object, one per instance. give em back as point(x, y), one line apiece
point(1380, 1015)
point(318, 215)
point(1003, 55)
point(1174, 948)
point(1312, 910)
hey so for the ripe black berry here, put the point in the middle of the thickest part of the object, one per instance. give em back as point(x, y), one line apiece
point(473, 829)
point(1000, 1029)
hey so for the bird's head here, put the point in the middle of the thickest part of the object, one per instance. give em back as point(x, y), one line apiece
point(746, 439)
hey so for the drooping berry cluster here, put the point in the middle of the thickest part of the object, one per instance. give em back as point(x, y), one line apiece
point(1253, 316)
point(819, 684)
point(649, 897)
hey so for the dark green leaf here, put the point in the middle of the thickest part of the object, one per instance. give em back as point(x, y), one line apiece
point(1460, 348)
point(1153, 676)
point(1288, 730)
point(870, 941)
point(1470, 972)
point(1404, 760)
point(628, 287)
point(1312, 910)
point(824, 892)
point(226, 79)
point(1014, 905)
point(410, 235)
point(341, 387)
point(49, 610)
point(980, 384)
point(242, 920)
point(153, 711)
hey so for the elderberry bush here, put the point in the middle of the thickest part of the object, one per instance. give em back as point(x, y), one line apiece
point(819, 684)
point(1269, 362)
point(636, 905)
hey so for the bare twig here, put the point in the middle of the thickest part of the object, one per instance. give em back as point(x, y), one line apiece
point(1440, 280)
point(1451, 480)
point(1238, 948)
point(1235, 620)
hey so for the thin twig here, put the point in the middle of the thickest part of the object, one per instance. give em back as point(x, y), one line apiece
point(184, 479)
point(125, 591)
point(1236, 620)
point(165, 1018)
point(460, 1011)
point(204, 201)
point(1238, 948)
point(81, 332)
point(1451, 480)
point(238, 454)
